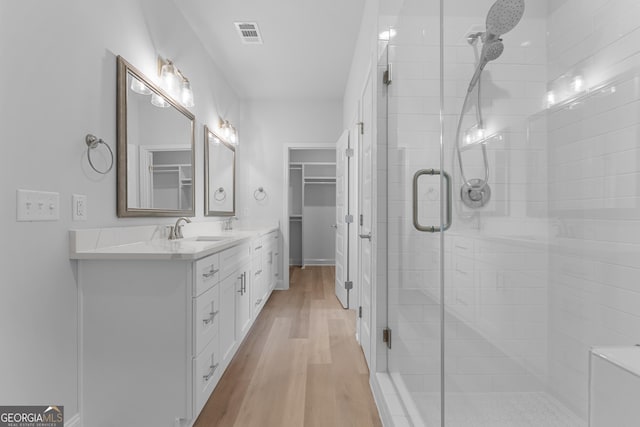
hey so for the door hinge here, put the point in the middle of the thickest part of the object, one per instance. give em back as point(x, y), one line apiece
point(361, 126)
point(387, 77)
point(348, 219)
point(348, 285)
point(361, 220)
point(386, 337)
point(360, 312)
point(348, 152)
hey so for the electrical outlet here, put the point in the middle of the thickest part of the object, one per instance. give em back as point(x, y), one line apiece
point(79, 207)
point(37, 205)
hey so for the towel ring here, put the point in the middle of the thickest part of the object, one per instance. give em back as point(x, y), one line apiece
point(92, 143)
point(258, 192)
point(222, 193)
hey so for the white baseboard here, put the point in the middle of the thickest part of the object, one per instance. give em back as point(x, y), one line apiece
point(381, 402)
point(311, 262)
point(73, 421)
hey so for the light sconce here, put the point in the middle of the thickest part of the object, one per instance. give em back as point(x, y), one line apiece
point(174, 82)
point(138, 87)
point(228, 132)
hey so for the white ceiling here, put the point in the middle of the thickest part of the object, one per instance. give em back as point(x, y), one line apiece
point(307, 50)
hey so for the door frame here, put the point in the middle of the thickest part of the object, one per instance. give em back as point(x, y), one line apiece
point(284, 222)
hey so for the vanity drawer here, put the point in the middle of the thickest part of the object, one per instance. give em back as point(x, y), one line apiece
point(258, 244)
point(206, 311)
point(207, 273)
point(206, 373)
point(232, 258)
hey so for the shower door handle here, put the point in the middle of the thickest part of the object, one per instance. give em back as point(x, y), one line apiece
point(416, 223)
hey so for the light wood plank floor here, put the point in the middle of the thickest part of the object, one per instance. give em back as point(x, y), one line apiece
point(300, 364)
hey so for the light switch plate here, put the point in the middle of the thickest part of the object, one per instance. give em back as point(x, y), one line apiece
point(37, 205)
point(79, 207)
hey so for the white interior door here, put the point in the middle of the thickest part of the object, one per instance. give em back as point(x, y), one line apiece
point(365, 252)
point(343, 283)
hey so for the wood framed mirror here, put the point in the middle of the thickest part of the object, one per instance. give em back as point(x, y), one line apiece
point(156, 146)
point(219, 175)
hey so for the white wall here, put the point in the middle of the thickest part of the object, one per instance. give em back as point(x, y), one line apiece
point(270, 127)
point(59, 83)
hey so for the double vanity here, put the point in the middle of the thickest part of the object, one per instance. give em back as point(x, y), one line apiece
point(160, 319)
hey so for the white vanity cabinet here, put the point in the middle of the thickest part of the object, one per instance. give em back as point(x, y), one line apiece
point(264, 263)
point(156, 335)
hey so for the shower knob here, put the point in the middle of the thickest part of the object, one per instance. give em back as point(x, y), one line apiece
point(475, 193)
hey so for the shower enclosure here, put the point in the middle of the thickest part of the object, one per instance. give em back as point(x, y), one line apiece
point(523, 127)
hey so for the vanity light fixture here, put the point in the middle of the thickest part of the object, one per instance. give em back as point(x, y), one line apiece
point(159, 101)
point(174, 82)
point(138, 87)
point(229, 133)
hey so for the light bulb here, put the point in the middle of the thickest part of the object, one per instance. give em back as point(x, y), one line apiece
point(159, 101)
point(169, 80)
point(138, 87)
point(186, 94)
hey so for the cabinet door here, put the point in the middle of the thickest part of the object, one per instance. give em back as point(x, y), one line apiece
point(227, 326)
point(276, 260)
point(243, 304)
point(267, 268)
point(257, 291)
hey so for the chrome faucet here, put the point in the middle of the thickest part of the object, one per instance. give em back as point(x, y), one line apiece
point(228, 224)
point(176, 230)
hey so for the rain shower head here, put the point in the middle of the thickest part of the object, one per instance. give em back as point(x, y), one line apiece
point(504, 15)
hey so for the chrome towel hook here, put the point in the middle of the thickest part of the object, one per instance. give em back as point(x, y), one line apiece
point(93, 142)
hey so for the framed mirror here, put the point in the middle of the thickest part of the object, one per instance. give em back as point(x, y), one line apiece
point(156, 144)
point(219, 175)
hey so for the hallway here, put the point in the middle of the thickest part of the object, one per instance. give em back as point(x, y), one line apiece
point(300, 364)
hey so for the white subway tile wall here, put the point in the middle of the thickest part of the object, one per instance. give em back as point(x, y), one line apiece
point(550, 267)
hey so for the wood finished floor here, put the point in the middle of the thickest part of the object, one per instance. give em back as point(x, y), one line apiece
point(300, 364)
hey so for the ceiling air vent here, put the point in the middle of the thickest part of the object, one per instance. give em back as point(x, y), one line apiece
point(249, 32)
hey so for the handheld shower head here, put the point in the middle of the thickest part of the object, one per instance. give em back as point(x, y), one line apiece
point(490, 52)
point(504, 15)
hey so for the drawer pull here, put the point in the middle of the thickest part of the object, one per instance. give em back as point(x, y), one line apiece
point(258, 247)
point(210, 273)
point(258, 272)
point(212, 369)
point(277, 253)
point(212, 315)
point(258, 301)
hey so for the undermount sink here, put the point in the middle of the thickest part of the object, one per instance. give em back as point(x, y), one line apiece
point(210, 238)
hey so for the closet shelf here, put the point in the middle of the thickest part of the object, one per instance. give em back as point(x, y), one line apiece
point(319, 181)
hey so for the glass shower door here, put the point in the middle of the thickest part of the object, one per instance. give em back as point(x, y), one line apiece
point(410, 135)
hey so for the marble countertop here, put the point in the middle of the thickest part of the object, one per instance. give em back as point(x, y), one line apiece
point(143, 243)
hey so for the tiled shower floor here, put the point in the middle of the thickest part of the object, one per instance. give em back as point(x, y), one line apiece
point(495, 410)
